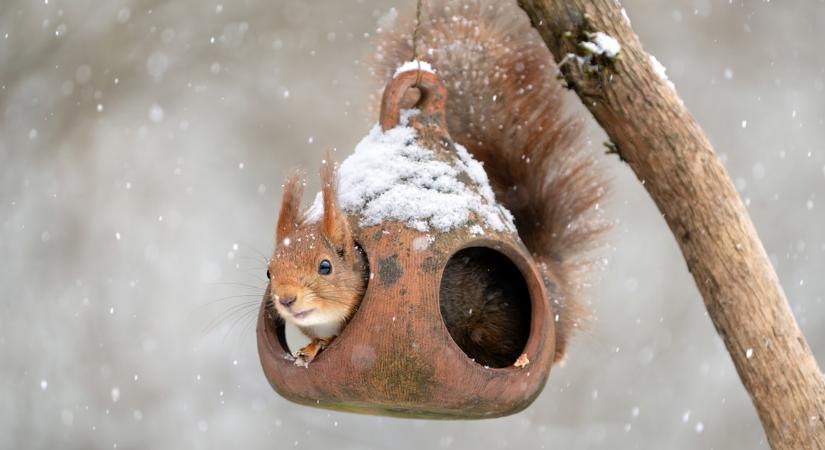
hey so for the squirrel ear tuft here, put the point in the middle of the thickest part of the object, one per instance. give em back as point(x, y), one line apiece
point(334, 225)
point(290, 206)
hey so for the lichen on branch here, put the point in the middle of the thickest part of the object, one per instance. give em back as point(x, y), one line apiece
point(592, 56)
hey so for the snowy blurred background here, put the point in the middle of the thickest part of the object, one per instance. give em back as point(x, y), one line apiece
point(142, 147)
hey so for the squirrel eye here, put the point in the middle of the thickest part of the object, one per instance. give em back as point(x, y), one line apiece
point(268, 275)
point(325, 268)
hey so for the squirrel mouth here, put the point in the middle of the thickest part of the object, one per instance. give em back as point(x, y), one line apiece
point(302, 314)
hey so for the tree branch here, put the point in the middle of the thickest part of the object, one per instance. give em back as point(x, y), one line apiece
point(652, 131)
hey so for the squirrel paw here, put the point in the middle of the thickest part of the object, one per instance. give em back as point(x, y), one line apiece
point(307, 354)
point(302, 360)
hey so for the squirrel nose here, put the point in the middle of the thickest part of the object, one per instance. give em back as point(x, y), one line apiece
point(286, 301)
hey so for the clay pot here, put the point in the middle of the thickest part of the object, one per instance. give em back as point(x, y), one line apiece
point(396, 356)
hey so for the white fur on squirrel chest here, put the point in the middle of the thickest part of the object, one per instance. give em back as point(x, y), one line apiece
point(324, 330)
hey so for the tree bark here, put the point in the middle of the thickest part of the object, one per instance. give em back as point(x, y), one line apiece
point(653, 132)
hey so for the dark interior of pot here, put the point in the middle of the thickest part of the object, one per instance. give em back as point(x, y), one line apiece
point(485, 304)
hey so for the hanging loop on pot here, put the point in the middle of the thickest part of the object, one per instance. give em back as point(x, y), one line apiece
point(430, 99)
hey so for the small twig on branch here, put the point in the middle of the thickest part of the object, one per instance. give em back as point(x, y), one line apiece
point(655, 134)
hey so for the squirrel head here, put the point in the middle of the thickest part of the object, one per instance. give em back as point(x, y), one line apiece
point(316, 272)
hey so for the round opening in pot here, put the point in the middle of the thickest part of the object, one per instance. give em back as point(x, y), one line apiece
point(485, 305)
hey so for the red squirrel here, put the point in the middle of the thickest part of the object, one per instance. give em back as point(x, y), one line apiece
point(317, 275)
point(505, 106)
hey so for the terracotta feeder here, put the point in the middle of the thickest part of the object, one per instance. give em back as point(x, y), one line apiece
point(396, 356)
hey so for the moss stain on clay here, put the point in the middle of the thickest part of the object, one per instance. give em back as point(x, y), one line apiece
point(389, 270)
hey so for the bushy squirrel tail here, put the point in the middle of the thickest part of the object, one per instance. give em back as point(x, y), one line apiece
point(506, 107)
